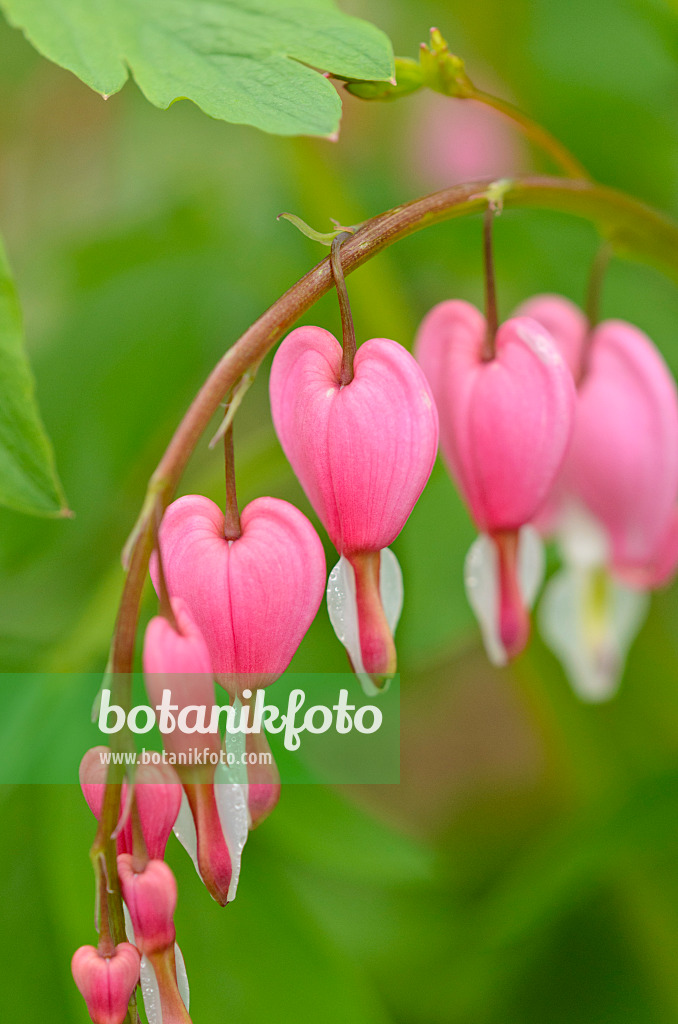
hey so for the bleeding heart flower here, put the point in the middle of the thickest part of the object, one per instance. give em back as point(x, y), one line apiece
point(253, 598)
point(179, 662)
point(613, 508)
point(157, 792)
point(363, 453)
point(151, 897)
point(622, 464)
point(505, 425)
point(106, 983)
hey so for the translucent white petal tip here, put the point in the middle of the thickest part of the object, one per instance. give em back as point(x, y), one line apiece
point(343, 612)
point(589, 621)
point(230, 790)
point(184, 830)
point(481, 579)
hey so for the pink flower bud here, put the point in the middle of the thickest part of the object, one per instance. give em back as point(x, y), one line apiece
point(157, 792)
point(151, 898)
point(253, 599)
point(180, 662)
point(93, 772)
point(505, 425)
point(363, 453)
point(106, 983)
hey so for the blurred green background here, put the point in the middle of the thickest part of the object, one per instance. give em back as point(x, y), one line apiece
point(525, 871)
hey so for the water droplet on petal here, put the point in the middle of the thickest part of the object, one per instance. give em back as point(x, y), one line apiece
point(231, 798)
point(150, 992)
point(343, 611)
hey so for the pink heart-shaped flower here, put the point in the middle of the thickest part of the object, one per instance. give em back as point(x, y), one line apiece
point(506, 423)
point(254, 598)
point(364, 451)
point(106, 983)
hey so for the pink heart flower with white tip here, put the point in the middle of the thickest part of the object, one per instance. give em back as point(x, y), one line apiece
point(363, 452)
point(613, 508)
point(505, 425)
point(253, 598)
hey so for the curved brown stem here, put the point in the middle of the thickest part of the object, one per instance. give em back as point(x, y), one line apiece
point(636, 229)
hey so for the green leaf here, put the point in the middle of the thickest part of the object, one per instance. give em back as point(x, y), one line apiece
point(245, 61)
point(28, 480)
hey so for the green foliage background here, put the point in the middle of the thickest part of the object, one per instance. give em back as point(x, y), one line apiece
point(526, 869)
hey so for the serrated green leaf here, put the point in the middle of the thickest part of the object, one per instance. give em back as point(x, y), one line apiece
point(245, 61)
point(28, 480)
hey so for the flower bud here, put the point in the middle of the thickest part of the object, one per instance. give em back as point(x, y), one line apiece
point(254, 598)
point(157, 792)
point(106, 983)
point(151, 898)
point(363, 453)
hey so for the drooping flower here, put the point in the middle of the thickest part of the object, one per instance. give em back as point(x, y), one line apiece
point(505, 425)
point(106, 983)
point(254, 598)
point(363, 452)
point(150, 895)
point(157, 792)
point(178, 661)
point(613, 509)
point(151, 898)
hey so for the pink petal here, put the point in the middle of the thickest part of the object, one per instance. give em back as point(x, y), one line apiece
point(253, 599)
point(506, 423)
point(362, 452)
point(623, 462)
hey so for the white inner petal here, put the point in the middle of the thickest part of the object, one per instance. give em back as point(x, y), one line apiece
point(231, 795)
point(184, 830)
point(582, 539)
point(590, 621)
point(481, 580)
point(182, 976)
point(150, 992)
point(343, 610)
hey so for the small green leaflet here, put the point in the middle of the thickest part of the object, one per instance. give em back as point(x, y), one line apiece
point(245, 61)
point(28, 480)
